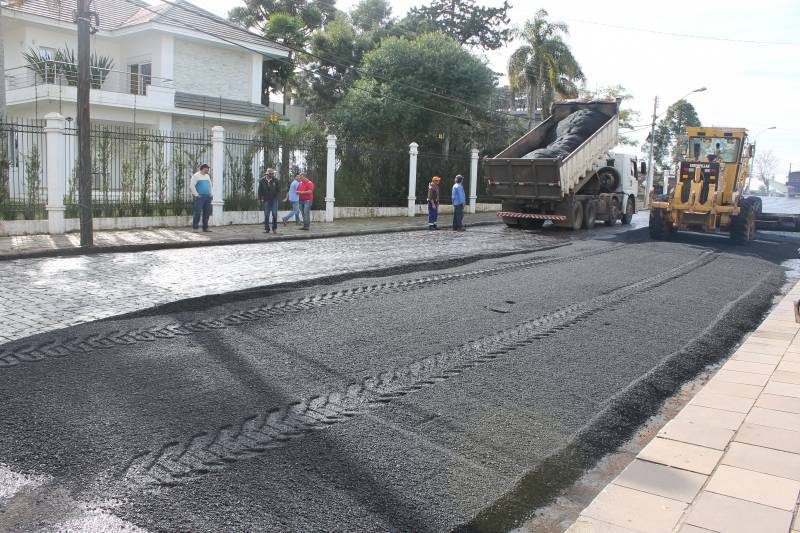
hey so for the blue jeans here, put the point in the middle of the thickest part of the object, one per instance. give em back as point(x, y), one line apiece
point(433, 214)
point(306, 208)
point(458, 216)
point(202, 207)
point(294, 213)
point(270, 206)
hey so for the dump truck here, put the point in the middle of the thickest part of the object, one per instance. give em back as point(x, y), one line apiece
point(563, 170)
point(711, 175)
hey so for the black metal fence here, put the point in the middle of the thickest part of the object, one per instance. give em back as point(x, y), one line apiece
point(136, 172)
point(247, 157)
point(371, 177)
point(23, 160)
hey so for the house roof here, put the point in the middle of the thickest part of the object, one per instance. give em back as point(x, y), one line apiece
point(119, 14)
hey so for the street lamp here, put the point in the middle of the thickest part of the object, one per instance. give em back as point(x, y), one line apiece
point(649, 183)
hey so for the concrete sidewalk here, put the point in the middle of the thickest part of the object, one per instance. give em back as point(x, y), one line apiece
point(161, 238)
point(730, 460)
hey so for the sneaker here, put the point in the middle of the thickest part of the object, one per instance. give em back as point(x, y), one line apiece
point(284, 222)
point(207, 230)
point(275, 231)
point(305, 228)
point(266, 230)
point(195, 229)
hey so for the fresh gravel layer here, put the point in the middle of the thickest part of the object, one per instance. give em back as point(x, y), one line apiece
point(411, 403)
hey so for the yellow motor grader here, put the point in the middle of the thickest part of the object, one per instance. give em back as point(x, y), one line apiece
point(712, 175)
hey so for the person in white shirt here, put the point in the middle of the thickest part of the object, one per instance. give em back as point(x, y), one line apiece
point(200, 187)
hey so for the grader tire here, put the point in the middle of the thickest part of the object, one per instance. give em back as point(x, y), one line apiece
point(743, 226)
point(576, 216)
point(589, 214)
point(660, 230)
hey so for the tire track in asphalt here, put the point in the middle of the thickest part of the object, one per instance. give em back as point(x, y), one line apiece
point(207, 452)
point(58, 348)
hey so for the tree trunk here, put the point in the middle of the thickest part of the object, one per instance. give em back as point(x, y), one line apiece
point(533, 99)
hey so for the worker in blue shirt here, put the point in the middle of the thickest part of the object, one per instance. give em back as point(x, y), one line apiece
point(294, 198)
point(459, 199)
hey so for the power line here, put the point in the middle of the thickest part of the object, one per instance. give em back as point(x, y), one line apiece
point(681, 35)
point(298, 50)
point(234, 43)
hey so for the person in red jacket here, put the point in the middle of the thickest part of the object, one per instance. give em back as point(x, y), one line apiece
point(306, 193)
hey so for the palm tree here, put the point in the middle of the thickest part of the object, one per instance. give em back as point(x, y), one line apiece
point(544, 65)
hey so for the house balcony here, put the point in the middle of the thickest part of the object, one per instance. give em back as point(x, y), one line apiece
point(54, 81)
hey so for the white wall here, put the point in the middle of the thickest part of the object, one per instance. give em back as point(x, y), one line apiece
point(212, 70)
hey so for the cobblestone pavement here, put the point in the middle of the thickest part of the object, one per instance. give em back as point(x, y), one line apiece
point(45, 294)
point(185, 237)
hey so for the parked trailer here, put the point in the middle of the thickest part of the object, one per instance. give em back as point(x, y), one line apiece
point(588, 184)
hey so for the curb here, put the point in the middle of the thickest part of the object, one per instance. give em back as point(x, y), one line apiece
point(69, 252)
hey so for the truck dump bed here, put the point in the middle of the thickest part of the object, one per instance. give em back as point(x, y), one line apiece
point(511, 175)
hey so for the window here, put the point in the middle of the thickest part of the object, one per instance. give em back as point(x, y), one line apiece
point(725, 149)
point(140, 77)
point(47, 53)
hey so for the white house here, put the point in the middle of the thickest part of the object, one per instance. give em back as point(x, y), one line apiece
point(166, 75)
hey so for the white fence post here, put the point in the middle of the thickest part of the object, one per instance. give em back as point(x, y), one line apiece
point(56, 147)
point(473, 180)
point(218, 167)
point(412, 178)
point(330, 200)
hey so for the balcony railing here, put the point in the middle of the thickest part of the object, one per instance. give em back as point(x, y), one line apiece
point(66, 75)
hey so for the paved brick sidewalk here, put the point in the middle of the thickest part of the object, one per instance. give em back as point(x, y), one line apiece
point(730, 460)
point(159, 238)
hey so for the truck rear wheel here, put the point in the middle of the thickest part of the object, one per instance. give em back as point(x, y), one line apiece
point(628, 215)
point(659, 228)
point(589, 213)
point(576, 216)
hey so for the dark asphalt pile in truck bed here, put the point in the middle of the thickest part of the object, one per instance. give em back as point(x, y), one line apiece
point(569, 134)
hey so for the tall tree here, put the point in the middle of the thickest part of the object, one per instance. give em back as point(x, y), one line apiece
point(764, 166)
point(464, 21)
point(371, 15)
point(376, 108)
point(678, 117)
point(544, 66)
point(289, 22)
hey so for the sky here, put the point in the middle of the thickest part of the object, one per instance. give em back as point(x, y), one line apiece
point(749, 85)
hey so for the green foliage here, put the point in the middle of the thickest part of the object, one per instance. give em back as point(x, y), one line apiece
point(374, 109)
point(145, 169)
point(464, 21)
point(289, 22)
point(544, 66)
point(371, 15)
point(128, 179)
point(102, 165)
point(678, 116)
point(64, 63)
point(160, 169)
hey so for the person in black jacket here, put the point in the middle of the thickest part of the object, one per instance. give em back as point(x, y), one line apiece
point(269, 194)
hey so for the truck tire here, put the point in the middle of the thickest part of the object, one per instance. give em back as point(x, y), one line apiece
point(613, 212)
point(627, 216)
point(589, 214)
point(659, 228)
point(576, 216)
point(743, 226)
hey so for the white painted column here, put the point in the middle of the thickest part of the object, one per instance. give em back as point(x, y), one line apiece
point(55, 173)
point(217, 173)
point(473, 180)
point(413, 150)
point(330, 199)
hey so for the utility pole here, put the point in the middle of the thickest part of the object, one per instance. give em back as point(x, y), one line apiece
point(649, 183)
point(84, 129)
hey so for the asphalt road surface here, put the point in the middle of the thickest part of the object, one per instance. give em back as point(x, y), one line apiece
point(424, 399)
